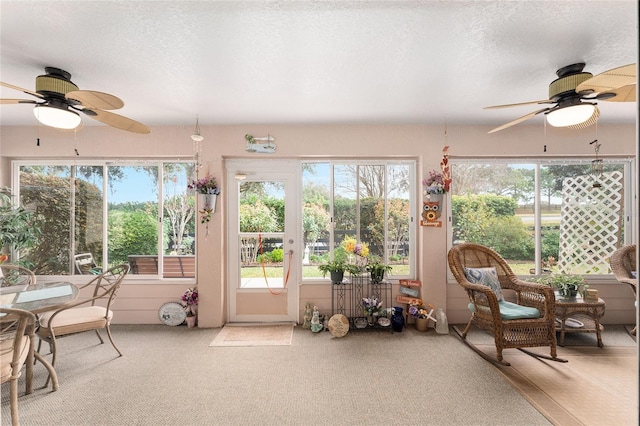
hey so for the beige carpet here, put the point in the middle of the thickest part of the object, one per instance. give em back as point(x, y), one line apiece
point(598, 386)
point(254, 335)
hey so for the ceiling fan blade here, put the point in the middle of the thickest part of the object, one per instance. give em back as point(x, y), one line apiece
point(622, 94)
point(17, 101)
point(93, 99)
point(117, 121)
point(610, 81)
point(20, 89)
point(519, 120)
point(546, 101)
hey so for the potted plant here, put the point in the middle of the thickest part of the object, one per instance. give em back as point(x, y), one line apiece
point(567, 285)
point(377, 271)
point(189, 302)
point(421, 314)
point(336, 269)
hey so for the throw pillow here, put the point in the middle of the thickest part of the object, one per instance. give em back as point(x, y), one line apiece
point(485, 276)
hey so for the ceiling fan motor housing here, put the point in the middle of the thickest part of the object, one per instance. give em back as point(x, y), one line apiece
point(566, 85)
point(55, 83)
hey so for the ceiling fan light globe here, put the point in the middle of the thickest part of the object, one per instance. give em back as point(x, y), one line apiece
point(570, 115)
point(197, 138)
point(59, 118)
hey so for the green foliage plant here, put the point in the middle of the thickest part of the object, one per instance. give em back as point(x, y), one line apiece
point(377, 270)
point(567, 285)
point(337, 266)
point(17, 228)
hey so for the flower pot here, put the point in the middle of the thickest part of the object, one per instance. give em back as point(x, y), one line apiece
point(337, 277)
point(209, 201)
point(377, 276)
point(422, 324)
point(436, 198)
point(191, 321)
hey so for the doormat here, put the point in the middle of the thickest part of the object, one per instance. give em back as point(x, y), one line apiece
point(254, 335)
point(597, 386)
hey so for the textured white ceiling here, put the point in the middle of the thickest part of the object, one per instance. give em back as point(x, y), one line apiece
point(232, 62)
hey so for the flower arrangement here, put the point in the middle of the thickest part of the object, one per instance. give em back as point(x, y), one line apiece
point(371, 305)
point(206, 185)
point(190, 301)
point(418, 310)
point(351, 246)
point(435, 183)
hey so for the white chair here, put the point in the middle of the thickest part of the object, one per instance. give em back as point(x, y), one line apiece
point(86, 265)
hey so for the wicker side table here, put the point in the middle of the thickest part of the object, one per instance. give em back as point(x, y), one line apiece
point(588, 312)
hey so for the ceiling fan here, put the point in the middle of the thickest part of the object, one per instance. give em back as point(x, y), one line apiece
point(572, 95)
point(60, 100)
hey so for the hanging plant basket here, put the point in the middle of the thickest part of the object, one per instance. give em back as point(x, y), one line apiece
point(209, 202)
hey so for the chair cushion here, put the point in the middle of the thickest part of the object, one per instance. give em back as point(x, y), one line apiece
point(87, 314)
point(512, 311)
point(6, 351)
point(487, 277)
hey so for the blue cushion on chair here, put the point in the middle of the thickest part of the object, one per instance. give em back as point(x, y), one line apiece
point(485, 276)
point(512, 311)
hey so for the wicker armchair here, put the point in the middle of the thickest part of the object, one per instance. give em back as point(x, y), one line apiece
point(490, 314)
point(623, 263)
point(85, 315)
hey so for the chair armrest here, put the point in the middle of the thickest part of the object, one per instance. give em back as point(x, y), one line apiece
point(536, 295)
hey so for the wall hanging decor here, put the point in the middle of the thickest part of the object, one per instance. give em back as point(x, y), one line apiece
point(262, 145)
point(435, 185)
point(209, 190)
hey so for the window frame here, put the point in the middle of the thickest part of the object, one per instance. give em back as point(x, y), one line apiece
point(105, 164)
point(413, 192)
point(629, 209)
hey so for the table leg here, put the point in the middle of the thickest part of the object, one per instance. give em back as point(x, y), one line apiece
point(598, 332)
point(50, 369)
point(561, 341)
point(29, 367)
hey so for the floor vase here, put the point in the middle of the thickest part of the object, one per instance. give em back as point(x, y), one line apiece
point(397, 319)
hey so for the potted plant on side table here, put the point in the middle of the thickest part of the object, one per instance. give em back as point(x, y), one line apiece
point(377, 271)
point(336, 269)
point(567, 285)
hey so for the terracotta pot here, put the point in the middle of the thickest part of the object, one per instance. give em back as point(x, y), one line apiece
point(422, 324)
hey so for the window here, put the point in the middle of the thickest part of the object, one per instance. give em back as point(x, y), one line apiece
point(369, 202)
point(543, 216)
point(97, 215)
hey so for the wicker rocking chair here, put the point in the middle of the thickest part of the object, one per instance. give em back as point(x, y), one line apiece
point(529, 322)
point(623, 265)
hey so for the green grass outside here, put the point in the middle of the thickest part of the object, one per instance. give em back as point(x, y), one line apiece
point(308, 271)
point(311, 271)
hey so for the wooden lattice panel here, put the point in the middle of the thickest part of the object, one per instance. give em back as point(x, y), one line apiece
point(590, 223)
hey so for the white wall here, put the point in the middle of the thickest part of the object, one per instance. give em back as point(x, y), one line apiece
point(138, 303)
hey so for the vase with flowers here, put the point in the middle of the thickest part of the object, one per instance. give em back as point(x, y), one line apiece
point(357, 252)
point(189, 302)
point(418, 311)
point(372, 308)
point(209, 189)
point(435, 184)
